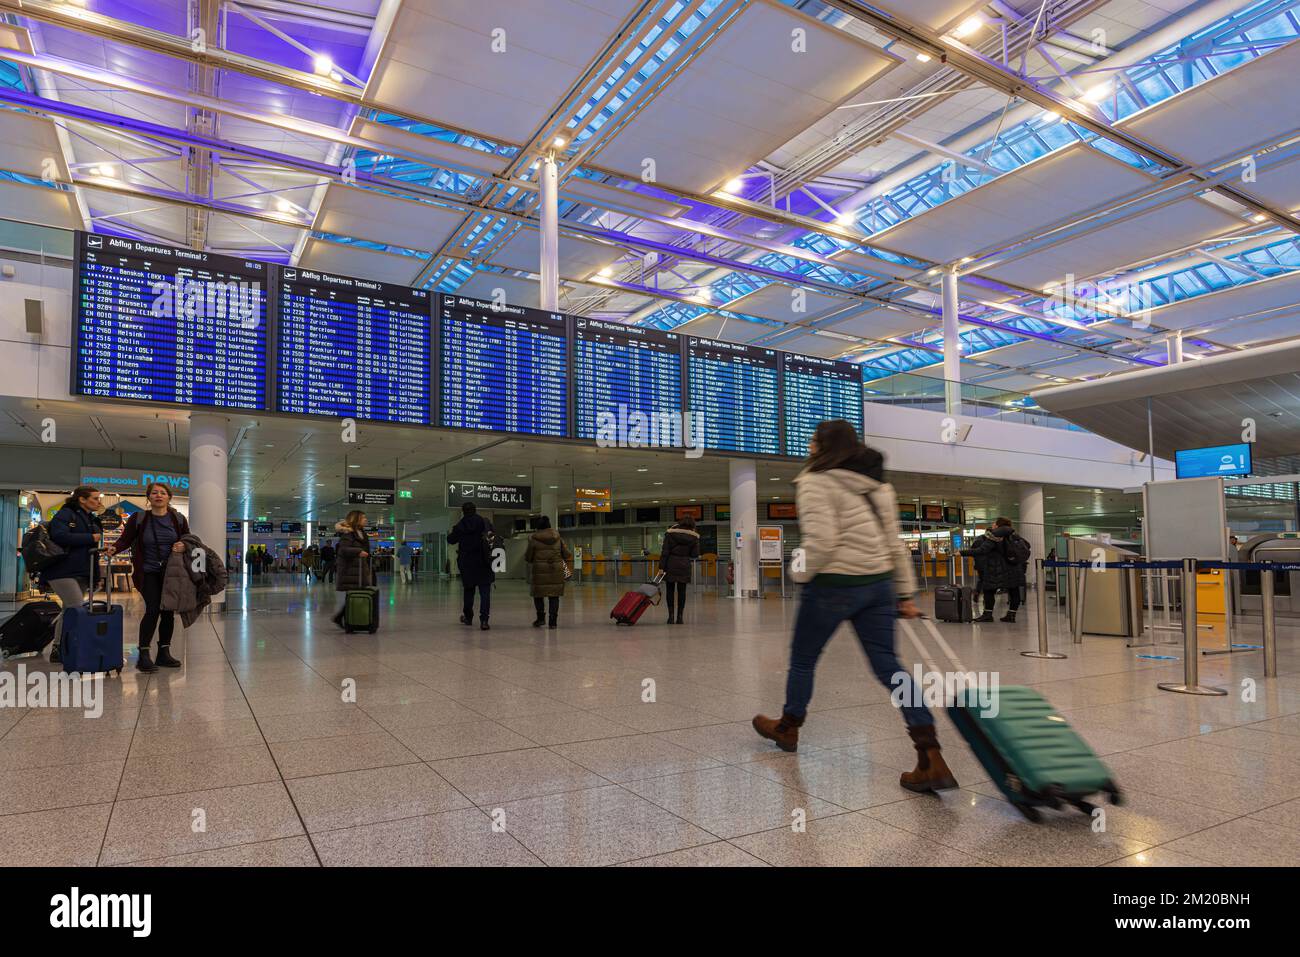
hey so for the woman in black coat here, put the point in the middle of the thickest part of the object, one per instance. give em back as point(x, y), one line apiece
point(681, 546)
point(351, 559)
point(77, 530)
point(999, 566)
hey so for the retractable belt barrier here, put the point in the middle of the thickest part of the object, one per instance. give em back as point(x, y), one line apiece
point(1189, 568)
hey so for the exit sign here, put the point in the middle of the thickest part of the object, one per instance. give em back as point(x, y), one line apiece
point(404, 493)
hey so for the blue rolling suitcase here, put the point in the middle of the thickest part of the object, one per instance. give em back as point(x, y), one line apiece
point(91, 639)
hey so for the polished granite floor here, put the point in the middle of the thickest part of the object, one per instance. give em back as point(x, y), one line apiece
point(284, 742)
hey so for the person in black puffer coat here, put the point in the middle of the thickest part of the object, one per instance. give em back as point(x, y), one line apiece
point(681, 546)
point(474, 559)
point(352, 559)
point(1001, 558)
point(77, 530)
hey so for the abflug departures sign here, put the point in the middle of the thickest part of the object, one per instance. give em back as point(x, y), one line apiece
point(160, 324)
point(173, 325)
point(490, 496)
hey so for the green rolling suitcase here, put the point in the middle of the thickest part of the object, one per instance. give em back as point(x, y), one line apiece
point(361, 606)
point(1029, 750)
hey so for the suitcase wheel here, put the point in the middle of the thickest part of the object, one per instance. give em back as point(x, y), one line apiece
point(1113, 793)
point(373, 629)
point(1030, 813)
point(1087, 807)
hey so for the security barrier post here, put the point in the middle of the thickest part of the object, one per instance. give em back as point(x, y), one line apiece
point(1270, 622)
point(1040, 596)
point(1191, 651)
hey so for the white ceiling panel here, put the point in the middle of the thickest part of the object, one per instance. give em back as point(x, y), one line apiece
point(879, 323)
point(1276, 186)
point(347, 260)
point(1257, 332)
point(745, 95)
point(166, 222)
point(1062, 184)
point(380, 218)
point(788, 303)
point(40, 205)
point(1252, 300)
point(1014, 382)
point(605, 196)
point(517, 290)
point(27, 142)
point(439, 60)
point(579, 258)
point(1254, 102)
point(728, 328)
point(938, 15)
point(1088, 366)
point(811, 344)
point(1106, 250)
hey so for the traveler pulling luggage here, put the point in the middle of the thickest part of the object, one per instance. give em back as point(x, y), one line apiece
point(1032, 754)
point(30, 630)
point(92, 633)
point(633, 604)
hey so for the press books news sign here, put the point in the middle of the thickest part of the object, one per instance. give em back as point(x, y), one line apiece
point(486, 495)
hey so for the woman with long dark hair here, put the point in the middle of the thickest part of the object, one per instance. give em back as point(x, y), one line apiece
point(352, 557)
point(681, 547)
point(76, 529)
point(151, 536)
point(856, 569)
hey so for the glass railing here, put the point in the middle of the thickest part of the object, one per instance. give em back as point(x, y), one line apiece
point(978, 401)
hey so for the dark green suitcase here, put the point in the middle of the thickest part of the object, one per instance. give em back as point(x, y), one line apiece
point(1032, 754)
point(361, 610)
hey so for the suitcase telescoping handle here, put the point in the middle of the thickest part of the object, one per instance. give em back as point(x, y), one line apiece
point(906, 625)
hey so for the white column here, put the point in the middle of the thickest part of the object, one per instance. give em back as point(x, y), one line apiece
point(208, 445)
point(550, 507)
point(1031, 525)
point(1174, 347)
point(744, 520)
point(951, 343)
point(550, 239)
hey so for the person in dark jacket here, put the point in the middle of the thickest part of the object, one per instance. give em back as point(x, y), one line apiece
point(1001, 557)
point(474, 560)
point(352, 558)
point(327, 562)
point(681, 546)
point(151, 537)
point(77, 530)
point(547, 558)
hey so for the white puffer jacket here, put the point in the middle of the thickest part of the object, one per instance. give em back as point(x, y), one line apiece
point(841, 534)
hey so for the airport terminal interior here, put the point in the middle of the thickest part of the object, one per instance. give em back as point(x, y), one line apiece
point(461, 282)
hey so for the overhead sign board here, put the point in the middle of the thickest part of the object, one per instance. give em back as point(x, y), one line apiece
point(370, 490)
point(592, 499)
point(488, 495)
point(133, 481)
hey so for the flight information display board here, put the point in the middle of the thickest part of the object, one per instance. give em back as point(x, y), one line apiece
point(620, 370)
point(353, 348)
point(163, 324)
point(814, 390)
point(735, 388)
point(503, 369)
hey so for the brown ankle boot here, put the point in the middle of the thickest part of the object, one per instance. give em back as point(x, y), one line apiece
point(931, 772)
point(785, 731)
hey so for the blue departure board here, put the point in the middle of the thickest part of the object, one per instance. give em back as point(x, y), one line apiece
point(735, 387)
point(163, 324)
point(504, 368)
point(354, 348)
point(814, 390)
point(620, 370)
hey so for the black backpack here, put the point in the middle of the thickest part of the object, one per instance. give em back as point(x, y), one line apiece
point(39, 550)
point(1018, 551)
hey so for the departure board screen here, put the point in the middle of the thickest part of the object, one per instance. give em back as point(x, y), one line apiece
point(734, 387)
point(163, 324)
point(814, 390)
point(354, 348)
point(621, 370)
point(504, 368)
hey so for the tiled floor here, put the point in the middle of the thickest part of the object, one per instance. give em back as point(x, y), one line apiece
point(284, 742)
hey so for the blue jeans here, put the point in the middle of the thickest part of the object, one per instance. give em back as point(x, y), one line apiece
point(872, 609)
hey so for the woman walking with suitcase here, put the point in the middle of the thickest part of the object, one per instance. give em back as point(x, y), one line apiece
point(681, 547)
point(351, 559)
point(548, 559)
point(77, 530)
point(856, 569)
point(151, 537)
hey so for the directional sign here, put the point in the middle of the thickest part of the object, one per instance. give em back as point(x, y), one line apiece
point(488, 495)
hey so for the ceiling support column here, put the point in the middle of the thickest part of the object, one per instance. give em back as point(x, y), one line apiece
point(951, 344)
point(1174, 347)
point(550, 236)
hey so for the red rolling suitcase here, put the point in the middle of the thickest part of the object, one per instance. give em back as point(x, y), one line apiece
point(633, 604)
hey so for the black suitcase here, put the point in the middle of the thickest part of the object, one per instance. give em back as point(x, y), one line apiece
point(954, 603)
point(30, 630)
